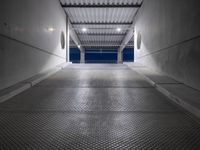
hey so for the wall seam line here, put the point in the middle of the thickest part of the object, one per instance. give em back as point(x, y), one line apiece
point(29, 45)
point(163, 49)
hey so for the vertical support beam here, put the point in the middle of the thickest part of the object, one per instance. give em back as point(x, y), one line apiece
point(82, 61)
point(119, 57)
point(67, 38)
point(129, 34)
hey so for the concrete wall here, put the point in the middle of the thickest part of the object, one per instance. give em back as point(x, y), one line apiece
point(27, 44)
point(170, 38)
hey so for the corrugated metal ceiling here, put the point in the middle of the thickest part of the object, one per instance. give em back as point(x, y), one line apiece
point(101, 22)
point(100, 2)
point(101, 15)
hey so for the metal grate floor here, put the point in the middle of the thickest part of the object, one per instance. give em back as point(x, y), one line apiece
point(120, 111)
point(95, 78)
point(89, 99)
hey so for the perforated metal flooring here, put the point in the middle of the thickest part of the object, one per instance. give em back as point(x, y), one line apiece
point(95, 107)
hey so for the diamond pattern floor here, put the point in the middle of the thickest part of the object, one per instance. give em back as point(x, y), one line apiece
point(95, 107)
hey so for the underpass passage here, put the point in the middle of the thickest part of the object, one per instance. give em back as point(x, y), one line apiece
point(97, 106)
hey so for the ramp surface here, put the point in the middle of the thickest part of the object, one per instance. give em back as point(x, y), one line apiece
point(95, 107)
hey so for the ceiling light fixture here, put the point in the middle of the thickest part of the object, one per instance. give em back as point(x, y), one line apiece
point(84, 29)
point(119, 29)
point(51, 29)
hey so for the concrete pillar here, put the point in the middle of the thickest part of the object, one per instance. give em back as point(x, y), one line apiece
point(119, 57)
point(67, 38)
point(82, 60)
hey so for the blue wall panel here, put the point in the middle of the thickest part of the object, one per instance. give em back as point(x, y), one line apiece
point(74, 55)
point(128, 55)
point(101, 56)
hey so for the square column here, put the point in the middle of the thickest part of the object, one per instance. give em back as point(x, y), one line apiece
point(119, 57)
point(82, 59)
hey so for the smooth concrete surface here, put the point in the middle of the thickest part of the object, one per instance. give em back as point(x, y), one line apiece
point(95, 107)
point(170, 39)
point(181, 94)
point(30, 34)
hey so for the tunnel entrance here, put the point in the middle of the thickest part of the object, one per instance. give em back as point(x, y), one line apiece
point(101, 55)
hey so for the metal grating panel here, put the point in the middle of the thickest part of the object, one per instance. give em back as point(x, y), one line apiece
point(96, 78)
point(89, 99)
point(99, 131)
point(56, 117)
point(98, 67)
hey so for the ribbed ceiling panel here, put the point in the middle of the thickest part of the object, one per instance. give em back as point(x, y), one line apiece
point(101, 15)
point(100, 2)
point(101, 22)
point(101, 31)
point(97, 38)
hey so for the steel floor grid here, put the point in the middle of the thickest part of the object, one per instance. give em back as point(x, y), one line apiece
point(94, 107)
point(89, 99)
point(95, 78)
point(98, 131)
